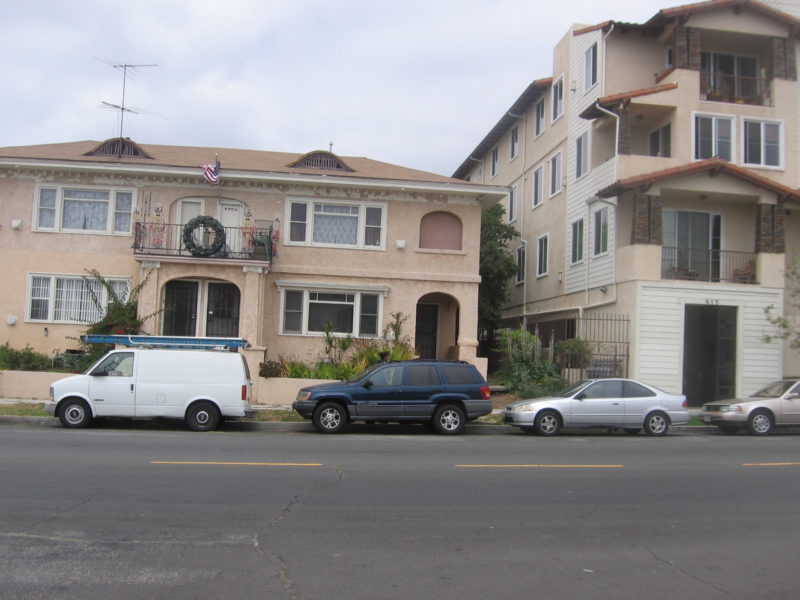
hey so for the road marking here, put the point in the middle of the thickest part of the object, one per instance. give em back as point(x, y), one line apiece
point(243, 464)
point(539, 466)
point(775, 464)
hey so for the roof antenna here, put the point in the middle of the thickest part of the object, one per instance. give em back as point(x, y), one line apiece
point(127, 69)
point(330, 147)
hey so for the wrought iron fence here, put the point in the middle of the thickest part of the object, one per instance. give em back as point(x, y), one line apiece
point(702, 264)
point(738, 89)
point(166, 239)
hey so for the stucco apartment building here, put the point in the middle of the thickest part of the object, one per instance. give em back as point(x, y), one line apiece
point(654, 178)
point(281, 245)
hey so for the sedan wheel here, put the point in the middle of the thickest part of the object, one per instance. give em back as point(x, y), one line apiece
point(760, 423)
point(547, 422)
point(656, 423)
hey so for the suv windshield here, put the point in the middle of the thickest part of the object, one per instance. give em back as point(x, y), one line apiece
point(774, 389)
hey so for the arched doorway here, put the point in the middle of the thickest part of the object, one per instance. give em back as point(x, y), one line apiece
point(436, 330)
point(201, 308)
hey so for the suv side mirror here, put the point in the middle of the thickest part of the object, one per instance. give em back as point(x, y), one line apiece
point(368, 384)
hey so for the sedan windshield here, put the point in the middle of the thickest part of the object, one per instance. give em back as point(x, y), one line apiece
point(776, 389)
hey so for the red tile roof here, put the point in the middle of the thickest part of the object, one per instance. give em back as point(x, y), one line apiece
point(592, 112)
point(714, 166)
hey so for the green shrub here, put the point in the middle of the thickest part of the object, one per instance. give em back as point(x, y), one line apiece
point(23, 360)
point(526, 371)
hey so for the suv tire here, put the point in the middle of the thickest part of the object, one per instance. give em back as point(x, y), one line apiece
point(330, 417)
point(449, 419)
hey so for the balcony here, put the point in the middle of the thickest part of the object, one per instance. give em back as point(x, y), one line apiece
point(717, 87)
point(248, 242)
point(702, 264)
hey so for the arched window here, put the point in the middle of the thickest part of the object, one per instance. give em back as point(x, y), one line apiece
point(440, 231)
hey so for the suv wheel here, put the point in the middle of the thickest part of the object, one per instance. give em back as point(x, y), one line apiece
point(330, 417)
point(449, 419)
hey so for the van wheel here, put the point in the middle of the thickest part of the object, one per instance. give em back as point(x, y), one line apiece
point(449, 419)
point(202, 416)
point(75, 414)
point(330, 417)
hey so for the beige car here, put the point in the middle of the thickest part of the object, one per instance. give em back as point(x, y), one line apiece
point(772, 406)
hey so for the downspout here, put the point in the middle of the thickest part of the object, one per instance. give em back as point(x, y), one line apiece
point(521, 208)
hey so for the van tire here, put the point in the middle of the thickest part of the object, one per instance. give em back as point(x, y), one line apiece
point(75, 413)
point(202, 416)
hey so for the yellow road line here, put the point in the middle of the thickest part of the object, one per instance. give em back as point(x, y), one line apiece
point(539, 466)
point(245, 464)
point(775, 464)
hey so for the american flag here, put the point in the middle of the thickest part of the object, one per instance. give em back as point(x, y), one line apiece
point(211, 173)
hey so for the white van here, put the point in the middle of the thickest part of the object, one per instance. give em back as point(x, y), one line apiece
point(198, 386)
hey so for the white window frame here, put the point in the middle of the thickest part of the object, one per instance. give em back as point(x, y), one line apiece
point(362, 224)
point(555, 169)
point(542, 255)
point(521, 259)
point(715, 132)
point(762, 123)
point(660, 135)
point(557, 99)
point(597, 232)
point(512, 204)
point(590, 68)
point(316, 294)
point(576, 247)
point(582, 166)
point(514, 143)
point(539, 119)
point(495, 161)
point(89, 312)
point(112, 208)
point(537, 187)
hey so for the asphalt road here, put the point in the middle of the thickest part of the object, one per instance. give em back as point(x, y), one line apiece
point(160, 512)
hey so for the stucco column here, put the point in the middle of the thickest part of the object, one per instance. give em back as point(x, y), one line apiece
point(148, 302)
point(251, 311)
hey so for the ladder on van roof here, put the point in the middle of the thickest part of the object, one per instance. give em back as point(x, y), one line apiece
point(167, 341)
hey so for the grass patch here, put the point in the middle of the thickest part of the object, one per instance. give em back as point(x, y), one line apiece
point(32, 409)
point(279, 415)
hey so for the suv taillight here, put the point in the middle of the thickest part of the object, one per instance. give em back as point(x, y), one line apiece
point(486, 392)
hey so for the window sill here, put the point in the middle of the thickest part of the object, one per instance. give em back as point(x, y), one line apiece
point(440, 251)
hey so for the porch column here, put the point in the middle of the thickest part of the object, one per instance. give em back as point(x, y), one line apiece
point(251, 313)
point(769, 229)
point(148, 302)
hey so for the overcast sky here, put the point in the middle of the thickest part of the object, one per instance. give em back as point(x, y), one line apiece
point(417, 83)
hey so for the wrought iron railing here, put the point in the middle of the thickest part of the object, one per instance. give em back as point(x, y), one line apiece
point(702, 264)
point(735, 88)
point(167, 239)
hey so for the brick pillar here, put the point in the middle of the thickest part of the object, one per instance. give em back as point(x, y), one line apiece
point(695, 48)
point(646, 219)
point(779, 236)
point(770, 235)
point(779, 58)
point(655, 220)
point(680, 49)
point(624, 142)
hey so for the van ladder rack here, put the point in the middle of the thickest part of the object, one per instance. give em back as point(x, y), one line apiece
point(167, 341)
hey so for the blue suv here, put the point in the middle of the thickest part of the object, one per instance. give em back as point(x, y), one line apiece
point(444, 394)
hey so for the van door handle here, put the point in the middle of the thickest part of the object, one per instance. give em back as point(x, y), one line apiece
point(131, 387)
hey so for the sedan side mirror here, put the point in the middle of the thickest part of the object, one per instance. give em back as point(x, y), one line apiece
point(580, 396)
point(792, 396)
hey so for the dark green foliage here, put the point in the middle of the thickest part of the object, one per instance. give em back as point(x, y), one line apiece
point(526, 370)
point(23, 360)
point(497, 267)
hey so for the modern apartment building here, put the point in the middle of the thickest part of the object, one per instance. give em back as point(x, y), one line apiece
point(654, 181)
point(267, 246)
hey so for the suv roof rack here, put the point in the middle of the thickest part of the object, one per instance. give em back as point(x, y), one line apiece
point(167, 341)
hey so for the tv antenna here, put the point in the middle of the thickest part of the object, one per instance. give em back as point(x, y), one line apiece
point(127, 70)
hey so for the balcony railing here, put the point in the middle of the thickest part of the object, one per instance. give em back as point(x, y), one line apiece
point(696, 264)
point(738, 89)
point(166, 239)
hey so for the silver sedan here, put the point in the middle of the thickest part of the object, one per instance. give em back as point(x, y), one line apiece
point(608, 403)
point(773, 405)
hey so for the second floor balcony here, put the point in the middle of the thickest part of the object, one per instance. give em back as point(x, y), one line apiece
point(739, 89)
point(702, 264)
point(247, 242)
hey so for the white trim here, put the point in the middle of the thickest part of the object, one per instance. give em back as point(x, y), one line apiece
point(734, 154)
point(558, 82)
point(546, 238)
point(560, 174)
point(309, 223)
point(540, 170)
point(59, 188)
point(781, 144)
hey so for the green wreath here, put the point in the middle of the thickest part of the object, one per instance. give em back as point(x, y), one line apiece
point(206, 224)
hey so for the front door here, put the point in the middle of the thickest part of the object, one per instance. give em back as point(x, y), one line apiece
point(427, 326)
point(599, 404)
point(231, 220)
point(111, 385)
point(222, 312)
point(381, 396)
point(180, 308)
point(709, 353)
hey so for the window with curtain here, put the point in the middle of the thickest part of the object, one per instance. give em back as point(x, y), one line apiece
point(348, 312)
point(71, 299)
point(94, 210)
point(336, 224)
